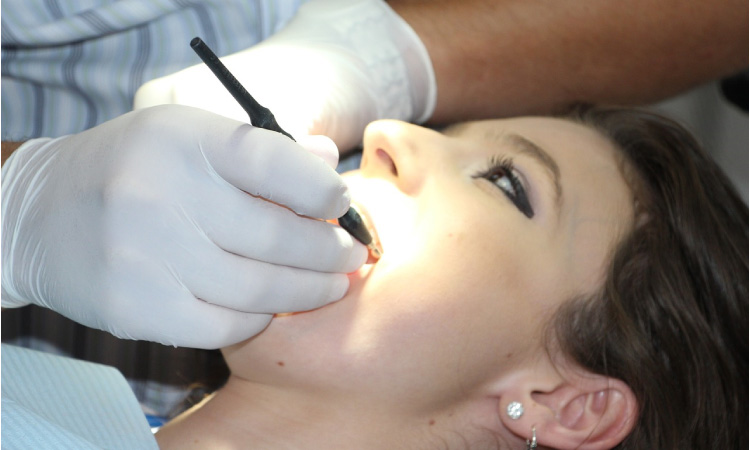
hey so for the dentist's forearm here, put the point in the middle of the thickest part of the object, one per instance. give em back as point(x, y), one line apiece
point(501, 58)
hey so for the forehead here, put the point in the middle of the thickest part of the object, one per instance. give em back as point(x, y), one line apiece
point(552, 130)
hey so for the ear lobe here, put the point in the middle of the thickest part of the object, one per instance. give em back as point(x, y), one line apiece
point(589, 413)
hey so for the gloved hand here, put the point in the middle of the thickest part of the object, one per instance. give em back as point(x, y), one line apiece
point(154, 226)
point(337, 66)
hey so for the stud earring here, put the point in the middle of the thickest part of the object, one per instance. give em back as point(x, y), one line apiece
point(514, 410)
point(530, 445)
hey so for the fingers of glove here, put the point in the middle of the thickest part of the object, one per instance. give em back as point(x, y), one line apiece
point(147, 300)
point(332, 98)
point(254, 228)
point(261, 162)
point(322, 147)
point(248, 285)
point(269, 165)
point(222, 327)
point(190, 322)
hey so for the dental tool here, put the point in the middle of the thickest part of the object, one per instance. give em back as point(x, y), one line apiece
point(262, 117)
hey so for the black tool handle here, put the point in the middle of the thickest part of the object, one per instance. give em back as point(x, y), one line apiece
point(260, 116)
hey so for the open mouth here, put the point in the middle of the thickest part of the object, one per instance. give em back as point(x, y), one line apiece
point(375, 248)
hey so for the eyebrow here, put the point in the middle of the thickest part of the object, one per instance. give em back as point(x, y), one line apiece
point(526, 147)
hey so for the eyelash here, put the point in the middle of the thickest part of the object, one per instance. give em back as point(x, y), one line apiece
point(502, 167)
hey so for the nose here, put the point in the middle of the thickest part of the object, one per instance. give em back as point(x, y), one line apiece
point(394, 151)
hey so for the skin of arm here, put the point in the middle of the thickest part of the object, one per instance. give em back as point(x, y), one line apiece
point(8, 148)
point(503, 58)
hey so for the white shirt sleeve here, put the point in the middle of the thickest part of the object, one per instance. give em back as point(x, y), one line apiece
point(53, 402)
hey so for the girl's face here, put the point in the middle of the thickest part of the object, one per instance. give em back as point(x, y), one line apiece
point(485, 232)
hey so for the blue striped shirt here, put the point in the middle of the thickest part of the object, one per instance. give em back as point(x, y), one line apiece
point(68, 65)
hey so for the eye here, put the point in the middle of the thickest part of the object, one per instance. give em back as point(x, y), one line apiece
point(502, 173)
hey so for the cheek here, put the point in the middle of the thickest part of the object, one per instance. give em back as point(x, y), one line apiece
point(420, 330)
point(454, 308)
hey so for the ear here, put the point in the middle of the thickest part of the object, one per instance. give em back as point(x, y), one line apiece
point(582, 411)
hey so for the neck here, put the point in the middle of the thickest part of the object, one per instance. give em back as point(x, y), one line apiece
point(244, 414)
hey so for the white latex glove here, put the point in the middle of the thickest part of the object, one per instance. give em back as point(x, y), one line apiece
point(143, 227)
point(337, 66)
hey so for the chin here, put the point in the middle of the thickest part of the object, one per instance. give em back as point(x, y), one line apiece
point(300, 343)
point(356, 280)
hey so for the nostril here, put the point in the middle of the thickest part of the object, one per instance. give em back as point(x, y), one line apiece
point(387, 160)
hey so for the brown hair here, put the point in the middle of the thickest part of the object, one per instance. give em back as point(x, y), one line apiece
point(671, 320)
